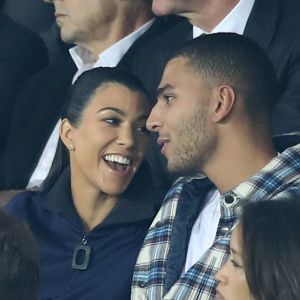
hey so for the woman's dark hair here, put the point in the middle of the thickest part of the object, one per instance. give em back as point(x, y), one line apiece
point(18, 260)
point(271, 248)
point(79, 97)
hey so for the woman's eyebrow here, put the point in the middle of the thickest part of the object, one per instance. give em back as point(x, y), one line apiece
point(117, 110)
point(121, 112)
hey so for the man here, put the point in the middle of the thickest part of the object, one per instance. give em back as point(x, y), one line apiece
point(275, 26)
point(106, 33)
point(212, 117)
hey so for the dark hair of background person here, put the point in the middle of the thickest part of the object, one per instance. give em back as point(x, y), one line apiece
point(18, 260)
point(236, 60)
point(79, 97)
point(271, 248)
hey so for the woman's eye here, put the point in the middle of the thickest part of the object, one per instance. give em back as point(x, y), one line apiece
point(112, 121)
point(235, 264)
point(142, 129)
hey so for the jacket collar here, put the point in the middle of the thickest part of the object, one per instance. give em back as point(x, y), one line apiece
point(136, 204)
point(279, 173)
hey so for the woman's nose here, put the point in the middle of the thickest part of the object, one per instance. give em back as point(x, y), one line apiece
point(220, 276)
point(126, 137)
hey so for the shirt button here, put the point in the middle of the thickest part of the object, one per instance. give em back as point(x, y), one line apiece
point(225, 229)
point(157, 224)
point(142, 284)
point(229, 199)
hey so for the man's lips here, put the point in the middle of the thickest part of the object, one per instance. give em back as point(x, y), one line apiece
point(162, 141)
point(59, 15)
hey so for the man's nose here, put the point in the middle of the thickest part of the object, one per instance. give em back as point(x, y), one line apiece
point(153, 122)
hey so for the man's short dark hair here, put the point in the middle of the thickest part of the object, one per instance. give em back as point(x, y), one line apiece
point(235, 60)
point(18, 260)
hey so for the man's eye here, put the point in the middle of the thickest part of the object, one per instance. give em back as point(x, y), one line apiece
point(168, 98)
point(112, 121)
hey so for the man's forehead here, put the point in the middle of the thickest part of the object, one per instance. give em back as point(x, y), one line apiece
point(178, 69)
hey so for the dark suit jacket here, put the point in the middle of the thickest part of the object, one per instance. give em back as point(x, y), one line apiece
point(39, 108)
point(22, 54)
point(275, 26)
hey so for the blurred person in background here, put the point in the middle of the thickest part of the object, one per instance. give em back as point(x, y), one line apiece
point(18, 260)
point(264, 257)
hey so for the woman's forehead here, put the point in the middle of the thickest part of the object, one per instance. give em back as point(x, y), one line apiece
point(120, 97)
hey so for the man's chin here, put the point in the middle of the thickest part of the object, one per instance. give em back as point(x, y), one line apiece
point(159, 10)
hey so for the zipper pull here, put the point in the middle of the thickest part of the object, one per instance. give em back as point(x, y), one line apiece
point(84, 241)
point(81, 255)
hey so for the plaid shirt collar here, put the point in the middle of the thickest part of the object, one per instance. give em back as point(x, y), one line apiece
point(164, 247)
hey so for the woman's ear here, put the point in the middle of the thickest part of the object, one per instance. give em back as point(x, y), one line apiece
point(226, 97)
point(67, 134)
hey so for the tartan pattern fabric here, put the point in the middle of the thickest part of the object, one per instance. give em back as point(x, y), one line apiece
point(279, 177)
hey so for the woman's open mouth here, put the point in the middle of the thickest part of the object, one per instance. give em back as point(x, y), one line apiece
point(117, 163)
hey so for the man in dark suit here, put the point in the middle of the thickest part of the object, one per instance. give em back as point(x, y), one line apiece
point(106, 33)
point(22, 54)
point(274, 25)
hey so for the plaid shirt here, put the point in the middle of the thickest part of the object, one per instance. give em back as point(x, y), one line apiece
point(158, 271)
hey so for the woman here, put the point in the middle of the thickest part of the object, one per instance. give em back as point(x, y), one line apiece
point(90, 222)
point(264, 263)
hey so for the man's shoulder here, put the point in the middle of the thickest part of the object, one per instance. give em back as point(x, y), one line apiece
point(23, 46)
point(172, 32)
point(55, 78)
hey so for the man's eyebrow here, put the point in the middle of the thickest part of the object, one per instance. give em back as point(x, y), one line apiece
point(117, 110)
point(163, 88)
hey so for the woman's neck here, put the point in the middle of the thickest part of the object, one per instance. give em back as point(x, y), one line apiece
point(92, 205)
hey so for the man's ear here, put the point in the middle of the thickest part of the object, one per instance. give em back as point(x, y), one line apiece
point(67, 134)
point(225, 100)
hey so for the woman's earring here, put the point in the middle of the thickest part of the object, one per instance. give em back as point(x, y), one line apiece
point(71, 147)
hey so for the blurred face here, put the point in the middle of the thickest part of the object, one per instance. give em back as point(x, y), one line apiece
point(179, 7)
point(111, 140)
point(232, 279)
point(83, 21)
point(181, 118)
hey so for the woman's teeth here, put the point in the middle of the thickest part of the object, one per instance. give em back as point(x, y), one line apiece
point(118, 159)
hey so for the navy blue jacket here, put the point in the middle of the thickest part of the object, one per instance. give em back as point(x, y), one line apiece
point(114, 244)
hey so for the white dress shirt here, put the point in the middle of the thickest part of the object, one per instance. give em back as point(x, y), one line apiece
point(235, 21)
point(84, 61)
point(205, 228)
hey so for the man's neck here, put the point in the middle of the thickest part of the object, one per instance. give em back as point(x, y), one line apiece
point(210, 14)
point(237, 161)
point(121, 27)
